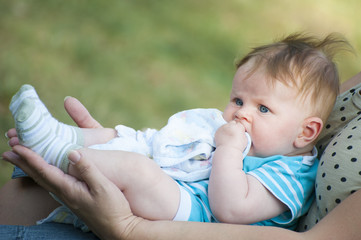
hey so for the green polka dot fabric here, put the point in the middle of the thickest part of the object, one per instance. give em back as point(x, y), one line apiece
point(339, 171)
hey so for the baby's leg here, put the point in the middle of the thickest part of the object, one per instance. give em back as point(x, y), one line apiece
point(81, 136)
point(93, 136)
point(64, 131)
point(35, 131)
point(152, 194)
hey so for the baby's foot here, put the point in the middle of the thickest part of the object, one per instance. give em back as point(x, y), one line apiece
point(25, 91)
point(66, 132)
point(35, 132)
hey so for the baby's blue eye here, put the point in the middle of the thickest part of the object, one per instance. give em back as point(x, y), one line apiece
point(239, 102)
point(263, 109)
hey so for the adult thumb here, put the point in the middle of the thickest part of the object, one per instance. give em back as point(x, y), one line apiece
point(86, 169)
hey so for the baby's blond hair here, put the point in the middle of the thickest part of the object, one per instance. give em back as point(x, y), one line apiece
point(304, 62)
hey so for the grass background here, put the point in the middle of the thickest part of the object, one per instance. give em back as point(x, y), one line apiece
point(137, 62)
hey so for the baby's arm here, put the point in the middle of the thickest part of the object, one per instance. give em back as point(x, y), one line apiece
point(234, 196)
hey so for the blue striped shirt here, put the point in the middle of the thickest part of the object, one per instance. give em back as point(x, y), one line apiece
point(289, 179)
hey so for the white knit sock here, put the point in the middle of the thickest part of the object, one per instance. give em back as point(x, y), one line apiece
point(66, 132)
point(35, 132)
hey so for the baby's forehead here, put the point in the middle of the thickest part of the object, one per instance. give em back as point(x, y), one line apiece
point(261, 85)
point(292, 80)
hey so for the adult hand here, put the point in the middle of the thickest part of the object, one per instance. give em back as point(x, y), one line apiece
point(97, 201)
point(80, 114)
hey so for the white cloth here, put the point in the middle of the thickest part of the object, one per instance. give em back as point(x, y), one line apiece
point(183, 148)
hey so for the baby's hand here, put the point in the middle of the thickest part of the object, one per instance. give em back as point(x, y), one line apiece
point(231, 134)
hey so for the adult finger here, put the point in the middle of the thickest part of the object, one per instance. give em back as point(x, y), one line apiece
point(80, 114)
point(13, 141)
point(47, 176)
point(11, 133)
point(12, 136)
point(106, 201)
point(89, 173)
point(10, 157)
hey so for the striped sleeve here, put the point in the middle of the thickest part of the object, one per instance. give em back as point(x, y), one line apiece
point(291, 181)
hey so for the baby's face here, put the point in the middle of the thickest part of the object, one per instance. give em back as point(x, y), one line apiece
point(272, 114)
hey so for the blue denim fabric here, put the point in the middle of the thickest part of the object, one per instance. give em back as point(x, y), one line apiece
point(51, 231)
point(18, 173)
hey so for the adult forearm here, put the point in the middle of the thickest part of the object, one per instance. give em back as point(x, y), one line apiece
point(343, 222)
point(149, 230)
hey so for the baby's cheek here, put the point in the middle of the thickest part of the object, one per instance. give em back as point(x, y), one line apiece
point(262, 147)
point(227, 118)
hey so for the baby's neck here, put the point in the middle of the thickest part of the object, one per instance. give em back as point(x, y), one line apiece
point(306, 151)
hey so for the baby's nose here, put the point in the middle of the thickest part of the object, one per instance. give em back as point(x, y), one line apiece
point(243, 115)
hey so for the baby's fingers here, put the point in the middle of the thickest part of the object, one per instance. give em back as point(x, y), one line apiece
point(236, 125)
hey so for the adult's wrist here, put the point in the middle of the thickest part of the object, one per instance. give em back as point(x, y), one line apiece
point(130, 228)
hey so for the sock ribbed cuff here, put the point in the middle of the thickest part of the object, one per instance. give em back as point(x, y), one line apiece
point(64, 165)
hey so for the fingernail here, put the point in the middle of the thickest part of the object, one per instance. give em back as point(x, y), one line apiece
point(6, 135)
point(66, 98)
point(74, 156)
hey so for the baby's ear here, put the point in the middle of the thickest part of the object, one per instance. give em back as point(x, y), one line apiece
point(311, 128)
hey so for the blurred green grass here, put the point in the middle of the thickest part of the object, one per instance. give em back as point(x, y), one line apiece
point(137, 62)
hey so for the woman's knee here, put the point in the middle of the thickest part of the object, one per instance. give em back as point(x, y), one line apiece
point(23, 202)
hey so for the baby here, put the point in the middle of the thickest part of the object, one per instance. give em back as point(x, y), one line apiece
point(282, 93)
